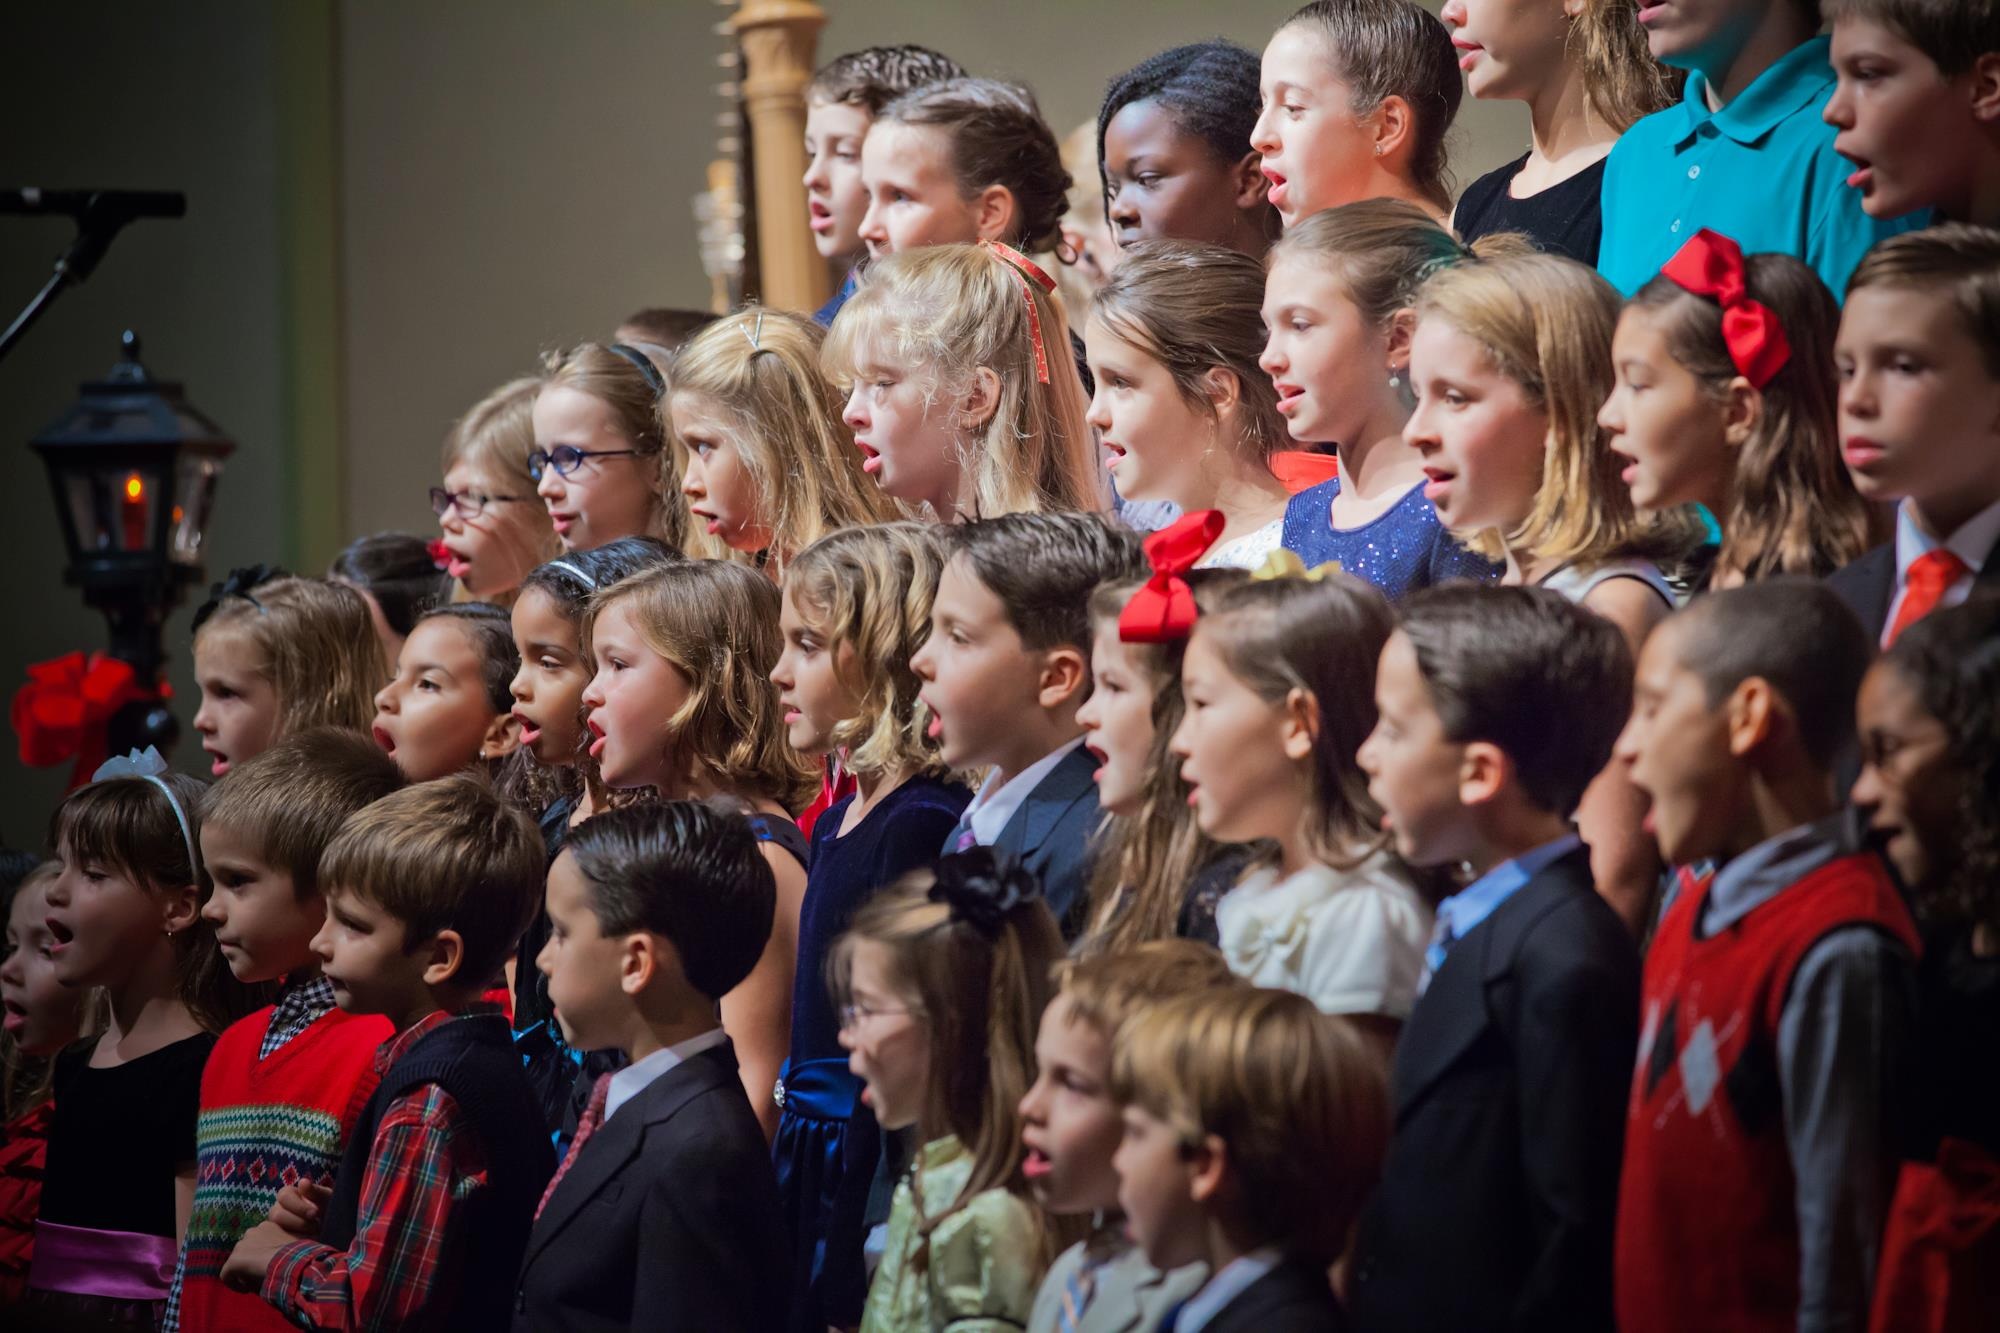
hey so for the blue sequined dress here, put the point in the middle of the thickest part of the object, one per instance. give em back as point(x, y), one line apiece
point(1401, 551)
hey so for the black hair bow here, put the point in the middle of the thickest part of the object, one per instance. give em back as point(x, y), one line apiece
point(238, 583)
point(982, 889)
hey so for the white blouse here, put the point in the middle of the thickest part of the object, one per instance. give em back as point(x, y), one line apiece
point(1247, 551)
point(1350, 941)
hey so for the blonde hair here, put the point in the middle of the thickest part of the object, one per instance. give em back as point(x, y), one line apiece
point(947, 311)
point(716, 623)
point(317, 647)
point(637, 413)
point(1107, 990)
point(1622, 79)
point(980, 993)
point(1298, 1098)
point(496, 436)
point(869, 590)
point(759, 371)
point(1546, 324)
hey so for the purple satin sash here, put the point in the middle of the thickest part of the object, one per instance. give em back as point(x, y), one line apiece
point(121, 1265)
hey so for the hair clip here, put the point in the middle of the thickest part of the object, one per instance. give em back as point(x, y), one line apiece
point(755, 337)
point(981, 889)
point(1163, 609)
point(1030, 275)
point(1284, 564)
point(237, 583)
point(1711, 265)
point(644, 365)
point(575, 573)
point(147, 765)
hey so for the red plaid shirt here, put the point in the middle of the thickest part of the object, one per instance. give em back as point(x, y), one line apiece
point(399, 1273)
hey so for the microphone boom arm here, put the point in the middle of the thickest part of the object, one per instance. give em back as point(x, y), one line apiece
point(103, 215)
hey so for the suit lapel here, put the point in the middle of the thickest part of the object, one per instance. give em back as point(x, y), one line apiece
point(1871, 586)
point(1042, 812)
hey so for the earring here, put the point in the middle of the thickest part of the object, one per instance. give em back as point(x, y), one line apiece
point(1395, 380)
point(1378, 150)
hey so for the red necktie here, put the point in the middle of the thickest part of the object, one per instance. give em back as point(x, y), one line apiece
point(1924, 586)
point(593, 1116)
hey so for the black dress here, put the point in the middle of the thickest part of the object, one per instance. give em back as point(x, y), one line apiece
point(1565, 219)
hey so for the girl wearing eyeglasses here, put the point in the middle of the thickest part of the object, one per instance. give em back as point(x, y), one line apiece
point(599, 440)
point(495, 528)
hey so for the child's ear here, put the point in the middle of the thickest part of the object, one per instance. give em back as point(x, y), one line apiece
point(1742, 409)
point(1484, 770)
point(502, 738)
point(994, 212)
point(1402, 328)
point(442, 957)
point(1252, 185)
point(981, 401)
point(1755, 715)
point(180, 909)
point(1395, 126)
point(1065, 677)
point(1301, 728)
point(1222, 389)
point(1208, 1168)
point(1985, 80)
point(646, 958)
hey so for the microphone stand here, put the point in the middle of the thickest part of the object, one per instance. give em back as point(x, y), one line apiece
point(101, 219)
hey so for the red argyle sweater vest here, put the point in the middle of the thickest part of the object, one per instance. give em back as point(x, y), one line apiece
point(266, 1124)
point(1707, 1235)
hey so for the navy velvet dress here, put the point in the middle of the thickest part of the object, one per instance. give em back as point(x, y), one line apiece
point(827, 1144)
point(1403, 550)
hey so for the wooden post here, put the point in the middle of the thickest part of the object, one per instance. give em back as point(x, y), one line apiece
point(778, 39)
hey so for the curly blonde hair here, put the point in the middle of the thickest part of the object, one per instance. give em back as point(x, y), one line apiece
point(315, 643)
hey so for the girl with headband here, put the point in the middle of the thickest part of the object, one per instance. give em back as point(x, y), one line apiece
point(600, 444)
point(1725, 398)
point(125, 915)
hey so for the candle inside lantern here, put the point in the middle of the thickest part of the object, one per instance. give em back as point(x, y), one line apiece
point(132, 512)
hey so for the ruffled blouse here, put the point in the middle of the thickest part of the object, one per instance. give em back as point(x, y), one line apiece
point(1351, 941)
point(985, 1259)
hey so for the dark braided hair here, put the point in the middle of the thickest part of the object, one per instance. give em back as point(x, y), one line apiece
point(875, 76)
point(1211, 87)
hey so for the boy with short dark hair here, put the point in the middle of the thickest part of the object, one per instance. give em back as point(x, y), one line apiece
point(427, 891)
point(1917, 104)
point(283, 1086)
point(664, 1214)
point(1497, 707)
point(842, 101)
point(1919, 356)
point(1778, 989)
point(1005, 669)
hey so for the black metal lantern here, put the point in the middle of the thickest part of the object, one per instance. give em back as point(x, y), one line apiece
point(133, 466)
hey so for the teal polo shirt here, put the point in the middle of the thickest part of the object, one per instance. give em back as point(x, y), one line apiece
point(1761, 171)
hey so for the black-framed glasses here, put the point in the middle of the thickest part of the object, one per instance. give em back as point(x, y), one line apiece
point(470, 504)
point(853, 1016)
point(567, 458)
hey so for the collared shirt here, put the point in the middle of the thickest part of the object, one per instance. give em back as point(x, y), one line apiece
point(1236, 1277)
point(635, 1078)
point(1973, 543)
point(1761, 170)
point(299, 1006)
point(990, 810)
point(424, 1172)
point(1460, 914)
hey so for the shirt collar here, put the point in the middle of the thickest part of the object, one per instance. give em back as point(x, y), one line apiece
point(1747, 882)
point(393, 1049)
point(636, 1077)
point(1973, 542)
point(1459, 914)
point(1235, 1277)
point(991, 809)
point(1790, 85)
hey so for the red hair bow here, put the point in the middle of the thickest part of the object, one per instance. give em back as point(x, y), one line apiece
point(1163, 609)
point(1711, 265)
point(1027, 271)
point(62, 711)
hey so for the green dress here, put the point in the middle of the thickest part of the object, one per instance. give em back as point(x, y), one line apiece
point(984, 1263)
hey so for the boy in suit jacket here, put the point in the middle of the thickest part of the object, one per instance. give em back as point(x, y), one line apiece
point(1919, 351)
point(1778, 990)
point(1497, 706)
point(1254, 1128)
point(1005, 670)
point(664, 1215)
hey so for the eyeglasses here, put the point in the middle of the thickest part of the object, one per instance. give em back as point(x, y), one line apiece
point(852, 1015)
point(470, 504)
point(567, 458)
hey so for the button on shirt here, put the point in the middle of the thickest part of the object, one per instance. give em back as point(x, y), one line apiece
point(1460, 914)
point(1973, 543)
point(636, 1077)
point(1761, 170)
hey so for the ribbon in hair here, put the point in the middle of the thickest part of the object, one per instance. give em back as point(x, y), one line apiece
point(1028, 272)
point(1283, 564)
point(1163, 608)
point(644, 365)
point(981, 889)
point(575, 573)
point(240, 582)
point(147, 765)
point(62, 712)
point(1711, 265)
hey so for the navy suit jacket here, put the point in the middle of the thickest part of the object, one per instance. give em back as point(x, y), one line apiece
point(1291, 1298)
point(1050, 834)
point(668, 1219)
point(1868, 585)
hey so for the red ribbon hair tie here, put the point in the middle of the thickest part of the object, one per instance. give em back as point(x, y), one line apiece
point(1163, 609)
point(1027, 271)
point(1711, 265)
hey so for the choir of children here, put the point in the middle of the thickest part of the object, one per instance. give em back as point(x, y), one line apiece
point(1233, 931)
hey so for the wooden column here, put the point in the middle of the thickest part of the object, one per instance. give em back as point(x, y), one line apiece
point(778, 39)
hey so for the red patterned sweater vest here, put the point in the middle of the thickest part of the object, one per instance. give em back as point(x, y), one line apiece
point(266, 1124)
point(1707, 1235)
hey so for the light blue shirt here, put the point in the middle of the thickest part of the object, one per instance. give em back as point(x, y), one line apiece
point(635, 1078)
point(1974, 543)
point(996, 803)
point(1237, 1276)
point(1762, 171)
point(1460, 914)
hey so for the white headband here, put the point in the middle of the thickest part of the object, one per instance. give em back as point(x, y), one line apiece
point(149, 765)
point(575, 573)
